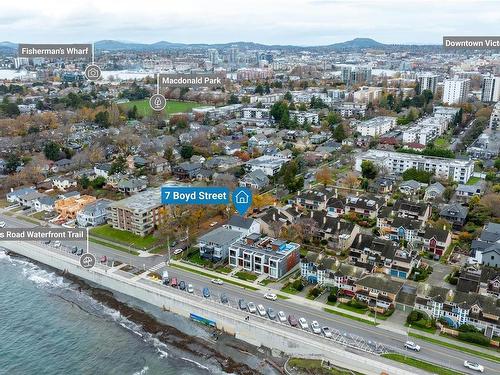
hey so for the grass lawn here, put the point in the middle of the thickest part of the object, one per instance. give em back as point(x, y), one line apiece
point(211, 277)
point(247, 276)
point(224, 269)
point(39, 215)
point(196, 258)
point(32, 221)
point(349, 316)
point(473, 180)
point(288, 289)
point(426, 366)
point(313, 366)
point(482, 354)
point(281, 296)
point(108, 233)
point(266, 282)
point(112, 246)
point(442, 142)
point(359, 310)
point(173, 106)
point(423, 329)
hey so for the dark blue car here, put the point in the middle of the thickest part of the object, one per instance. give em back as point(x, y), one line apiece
point(206, 292)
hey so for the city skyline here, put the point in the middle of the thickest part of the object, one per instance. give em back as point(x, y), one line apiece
point(301, 23)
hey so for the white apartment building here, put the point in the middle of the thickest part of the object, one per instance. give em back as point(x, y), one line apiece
point(456, 90)
point(495, 117)
point(349, 109)
point(425, 130)
point(490, 91)
point(397, 162)
point(367, 94)
point(427, 81)
point(448, 113)
point(256, 113)
point(302, 117)
point(376, 126)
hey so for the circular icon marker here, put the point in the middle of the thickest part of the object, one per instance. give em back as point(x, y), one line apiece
point(92, 72)
point(157, 102)
point(87, 260)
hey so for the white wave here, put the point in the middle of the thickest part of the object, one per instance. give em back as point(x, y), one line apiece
point(143, 371)
point(196, 363)
point(42, 277)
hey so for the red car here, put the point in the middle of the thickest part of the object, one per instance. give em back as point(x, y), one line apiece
point(173, 282)
point(293, 321)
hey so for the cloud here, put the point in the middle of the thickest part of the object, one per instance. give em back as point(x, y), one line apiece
point(301, 22)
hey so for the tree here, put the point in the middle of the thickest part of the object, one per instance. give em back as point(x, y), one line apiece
point(278, 110)
point(339, 133)
point(324, 176)
point(351, 180)
point(262, 200)
point(290, 171)
point(132, 113)
point(84, 182)
point(52, 151)
point(98, 182)
point(233, 99)
point(12, 163)
point(368, 169)
point(187, 151)
point(333, 118)
point(417, 175)
point(102, 118)
point(288, 96)
point(10, 109)
point(118, 166)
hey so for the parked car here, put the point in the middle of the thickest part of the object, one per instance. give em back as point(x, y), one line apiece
point(326, 332)
point(303, 323)
point(190, 288)
point(165, 278)
point(412, 346)
point(251, 307)
point(2, 224)
point(261, 310)
point(173, 283)
point(223, 298)
point(242, 304)
point(270, 296)
point(182, 285)
point(74, 249)
point(271, 314)
point(474, 366)
point(45, 242)
point(217, 281)
point(177, 251)
point(281, 316)
point(79, 252)
point(103, 259)
point(293, 321)
point(57, 243)
point(206, 292)
point(315, 327)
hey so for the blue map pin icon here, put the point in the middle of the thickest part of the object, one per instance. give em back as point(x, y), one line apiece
point(242, 200)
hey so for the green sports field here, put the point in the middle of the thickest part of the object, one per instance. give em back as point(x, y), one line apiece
point(173, 106)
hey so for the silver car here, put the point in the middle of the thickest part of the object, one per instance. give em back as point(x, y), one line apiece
point(251, 307)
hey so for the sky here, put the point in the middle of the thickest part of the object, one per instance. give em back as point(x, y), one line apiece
point(297, 22)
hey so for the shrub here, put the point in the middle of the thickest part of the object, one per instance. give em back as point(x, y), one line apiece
point(474, 337)
point(297, 285)
point(315, 292)
point(414, 316)
point(467, 328)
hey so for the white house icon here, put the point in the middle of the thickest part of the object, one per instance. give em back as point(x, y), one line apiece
point(242, 197)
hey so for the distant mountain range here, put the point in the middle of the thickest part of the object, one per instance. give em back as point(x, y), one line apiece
point(351, 45)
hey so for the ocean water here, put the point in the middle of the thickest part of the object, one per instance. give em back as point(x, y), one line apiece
point(48, 326)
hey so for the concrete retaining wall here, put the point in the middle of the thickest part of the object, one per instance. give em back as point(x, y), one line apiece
point(257, 331)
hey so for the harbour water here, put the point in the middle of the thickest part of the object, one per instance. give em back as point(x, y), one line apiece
point(49, 325)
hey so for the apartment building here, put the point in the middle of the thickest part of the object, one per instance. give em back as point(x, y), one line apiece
point(264, 255)
point(495, 117)
point(425, 130)
point(349, 109)
point(256, 113)
point(304, 117)
point(490, 91)
point(367, 94)
point(396, 162)
point(427, 81)
point(356, 74)
point(456, 90)
point(140, 214)
point(376, 126)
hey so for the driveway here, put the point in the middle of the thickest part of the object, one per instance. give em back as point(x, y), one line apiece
point(440, 271)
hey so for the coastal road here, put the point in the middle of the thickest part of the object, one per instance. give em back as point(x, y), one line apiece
point(438, 354)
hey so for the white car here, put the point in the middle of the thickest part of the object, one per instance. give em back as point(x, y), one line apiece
point(412, 346)
point(270, 296)
point(213, 223)
point(261, 310)
point(315, 327)
point(326, 332)
point(281, 316)
point(474, 366)
point(2, 224)
point(217, 281)
point(177, 251)
point(57, 244)
point(190, 288)
point(303, 323)
point(251, 307)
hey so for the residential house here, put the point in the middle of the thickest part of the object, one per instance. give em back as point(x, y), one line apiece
point(455, 213)
point(339, 234)
point(61, 165)
point(256, 180)
point(488, 240)
point(410, 187)
point(434, 191)
point(270, 165)
point(103, 170)
point(214, 245)
point(93, 214)
point(366, 206)
point(45, 203)
point(14, 196)
point(273, 219)
point(335, 207)
point(132, 185)
point(435, 240)
point(413, 210)
point(29, 199)
point(378, 291)
point(465, 192)
point(243, 225)
point(63, 183)
point(186, 170)
point(313, 199)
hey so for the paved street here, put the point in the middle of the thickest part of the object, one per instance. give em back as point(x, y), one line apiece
point(386, 337)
